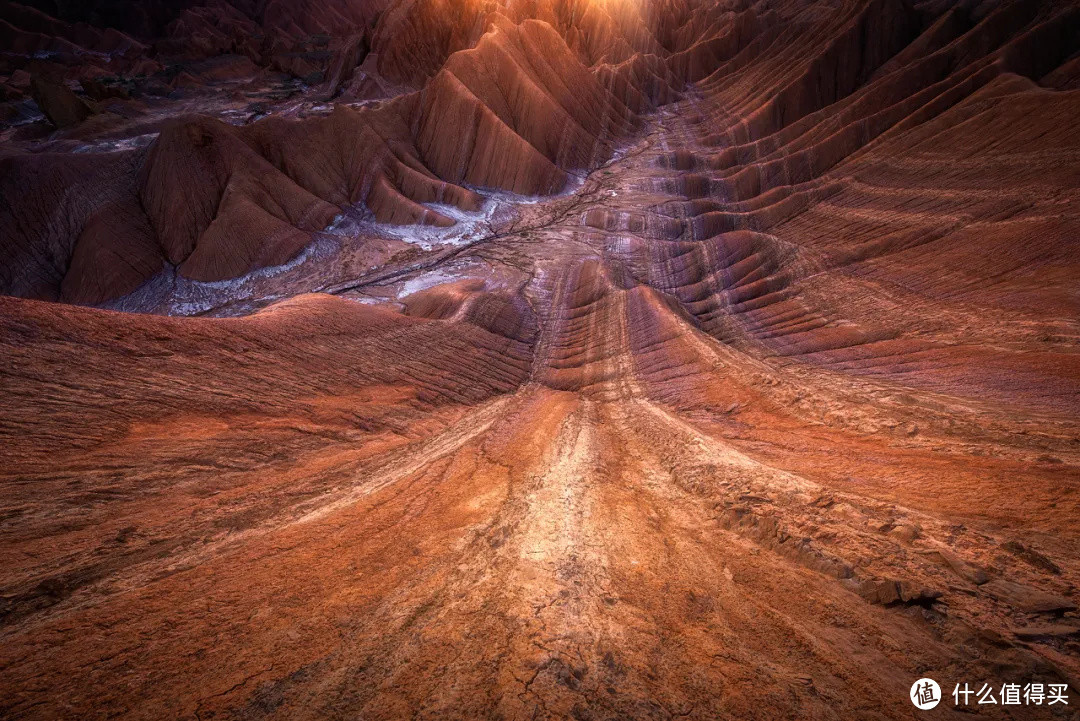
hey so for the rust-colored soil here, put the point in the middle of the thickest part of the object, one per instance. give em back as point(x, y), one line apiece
point(768, 408)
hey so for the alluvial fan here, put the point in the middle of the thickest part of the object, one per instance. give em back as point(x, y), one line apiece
point(539, 359)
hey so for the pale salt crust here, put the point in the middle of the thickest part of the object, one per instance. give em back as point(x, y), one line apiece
point(172, 294)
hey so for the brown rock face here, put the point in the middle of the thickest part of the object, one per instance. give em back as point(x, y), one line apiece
point(62, 107)
point(607, 360)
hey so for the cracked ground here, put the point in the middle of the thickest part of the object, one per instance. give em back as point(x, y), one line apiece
point(609, 460)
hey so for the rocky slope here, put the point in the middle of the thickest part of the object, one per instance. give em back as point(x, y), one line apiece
point(672, 359)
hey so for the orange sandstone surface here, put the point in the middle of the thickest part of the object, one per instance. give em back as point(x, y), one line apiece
point(592, 359)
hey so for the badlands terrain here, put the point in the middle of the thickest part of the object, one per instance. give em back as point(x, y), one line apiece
point(538, 359)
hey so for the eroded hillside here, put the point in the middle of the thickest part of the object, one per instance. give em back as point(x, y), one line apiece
point(589, 359)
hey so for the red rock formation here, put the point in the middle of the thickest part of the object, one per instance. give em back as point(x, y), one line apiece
point(27, 31)
point(519, 128)
point(62, 107)
point(771, 412)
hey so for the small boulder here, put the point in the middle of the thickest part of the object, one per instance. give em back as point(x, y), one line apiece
point(1027, 599)
point(920, 595)
point(906, 532)
point(61, 106)
point(104, 88)
point(961, 568)
point(887, 592)
point(8, 93)
point(1045, 632)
